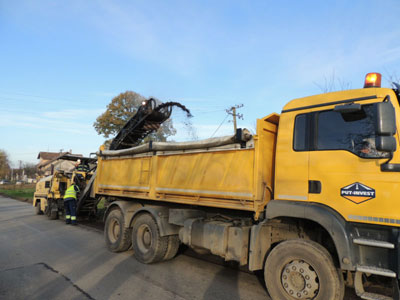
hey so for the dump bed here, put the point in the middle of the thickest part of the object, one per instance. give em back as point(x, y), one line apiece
point(214, 173)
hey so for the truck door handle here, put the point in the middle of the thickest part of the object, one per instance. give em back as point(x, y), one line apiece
point(314, 187)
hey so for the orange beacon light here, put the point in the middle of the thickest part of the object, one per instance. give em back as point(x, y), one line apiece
point(373, 80)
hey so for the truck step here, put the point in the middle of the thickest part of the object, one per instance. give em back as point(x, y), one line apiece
point(376, 271)
point(373, 243)
point(372, 296)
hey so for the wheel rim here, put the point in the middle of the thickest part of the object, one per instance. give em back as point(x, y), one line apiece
point(114, 230)
point(300, 280)
point(144, 238)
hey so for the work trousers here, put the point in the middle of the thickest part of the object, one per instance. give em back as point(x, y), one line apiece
point(70, 210)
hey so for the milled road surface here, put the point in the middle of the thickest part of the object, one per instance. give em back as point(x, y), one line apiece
point(44, 259)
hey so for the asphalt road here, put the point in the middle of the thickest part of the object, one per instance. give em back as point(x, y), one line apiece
point(44, 259)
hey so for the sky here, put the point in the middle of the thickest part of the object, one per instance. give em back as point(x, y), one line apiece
point(62, 62)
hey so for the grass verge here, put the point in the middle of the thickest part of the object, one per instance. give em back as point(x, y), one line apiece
point(19, 192)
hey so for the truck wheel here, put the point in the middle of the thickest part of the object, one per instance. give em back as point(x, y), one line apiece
point(38, 211)
point(118, 238)
point(173, 246)
point(148, 246)
point(302, 269)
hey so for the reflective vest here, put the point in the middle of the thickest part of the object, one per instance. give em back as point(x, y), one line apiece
point(70, 192)
point(83, 168)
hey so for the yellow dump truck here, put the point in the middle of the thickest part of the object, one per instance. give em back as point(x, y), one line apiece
point(310, 198)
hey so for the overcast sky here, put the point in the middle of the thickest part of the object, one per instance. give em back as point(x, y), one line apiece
point(61, 62)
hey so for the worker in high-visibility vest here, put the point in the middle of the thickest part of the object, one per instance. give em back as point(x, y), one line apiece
point(70, 203)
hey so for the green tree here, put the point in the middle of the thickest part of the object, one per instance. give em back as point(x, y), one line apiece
point(120, 110)
point(4, 164)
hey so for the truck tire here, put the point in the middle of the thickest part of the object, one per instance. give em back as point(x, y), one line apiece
point(302, 269)
point(148, 246)
point(38, 211)
point(173, 246)
point(117, 237)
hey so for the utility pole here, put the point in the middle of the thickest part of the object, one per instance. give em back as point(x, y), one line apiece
point(232, 111)
point(19, 171)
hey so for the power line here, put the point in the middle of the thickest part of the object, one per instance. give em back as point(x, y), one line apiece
point(219, 126)
point(209, 111)
point(42, 97)
point(46, 101)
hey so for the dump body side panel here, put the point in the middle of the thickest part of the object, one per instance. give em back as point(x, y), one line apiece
point(218, 179)
point(223, 178)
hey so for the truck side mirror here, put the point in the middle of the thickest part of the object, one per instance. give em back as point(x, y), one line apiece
point(385, 143)
point(385, 121)
point(348, 108)
point(385, 128)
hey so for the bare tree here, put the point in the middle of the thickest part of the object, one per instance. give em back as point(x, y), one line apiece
point(333, 83)
point(4, 164)
point(30, 170)
point(391, 78)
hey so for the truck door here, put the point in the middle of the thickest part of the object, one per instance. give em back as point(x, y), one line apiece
point(344, 167)
point(291, 173)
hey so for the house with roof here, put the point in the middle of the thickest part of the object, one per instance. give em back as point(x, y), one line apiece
point(51, 161)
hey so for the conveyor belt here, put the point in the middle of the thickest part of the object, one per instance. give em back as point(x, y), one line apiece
point(85, 202)
point(147, 119)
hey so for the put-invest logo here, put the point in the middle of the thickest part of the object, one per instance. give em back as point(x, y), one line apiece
point(357, 192)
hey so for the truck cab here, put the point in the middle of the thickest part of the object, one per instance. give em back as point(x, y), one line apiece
point(338, 169)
